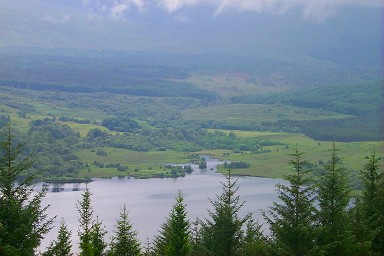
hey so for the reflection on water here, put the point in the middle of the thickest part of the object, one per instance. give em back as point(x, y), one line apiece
point(149, 201)
point(60, 187)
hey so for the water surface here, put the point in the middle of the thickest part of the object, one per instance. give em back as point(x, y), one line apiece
point(149, 201)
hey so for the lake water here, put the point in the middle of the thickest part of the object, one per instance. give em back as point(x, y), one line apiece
point(149, 201)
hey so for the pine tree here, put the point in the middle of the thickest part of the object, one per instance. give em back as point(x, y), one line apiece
point(125, 241)
point(378, 240)
point(23, 221)
point(372, 203)
point(174, 238)
point(371, 178)
point(254, 242)
point(62, 245)
point(334, 195)
point(197, 246)
point(91, 233)
point(97, 238)
point(292, 221)
point(223, 234)
point(148, 248)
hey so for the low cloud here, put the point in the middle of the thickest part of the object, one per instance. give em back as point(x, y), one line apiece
point(58, 19)
point(119, 9)
point(116, 9)
point(311, 9)
point(182, 18)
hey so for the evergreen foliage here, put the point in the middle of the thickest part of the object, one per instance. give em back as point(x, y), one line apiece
point(223, 233)
point(292, 221)
point(334, 195)
point(175, 237)
point(91, 233)
point(97, 238)
point(23, 221)
point(378, 240)
point(125, 241)
point(62, 246)
point(254, 242)
point(372, 203)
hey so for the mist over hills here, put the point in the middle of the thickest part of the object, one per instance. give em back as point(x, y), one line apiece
point(347, 34)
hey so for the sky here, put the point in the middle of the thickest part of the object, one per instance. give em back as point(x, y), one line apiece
point(266, 28)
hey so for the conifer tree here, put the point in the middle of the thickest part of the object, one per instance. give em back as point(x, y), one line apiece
point(292, 221)
point(223, 233)
point(372, 203)
point(23, 221)
point(91, 233)
point(62, 245)
point(371, 179)
point(148, 248)
point(97, 238)
point(254, 242)
point(125, 241)
point(174, 238)
point(378, 239)
point(197, 246)
point(334, 195)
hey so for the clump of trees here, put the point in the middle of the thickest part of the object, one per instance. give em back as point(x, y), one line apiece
point(316, 215)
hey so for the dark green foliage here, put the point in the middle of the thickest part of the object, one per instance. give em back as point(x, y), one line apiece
point(197, 244)
point(360, 128)
point(371, 178)
point(352, 99)
point(334, 195)
point(23, 221)
point(223, 233)
point(91, 233)
point(125, 241)
point(54, 146)
point(236, 165)
point(177, 170)
point(175, 237)
point(203, 164)
point(292, 221)
point(97, 238)
point(254, 242)
point(372, 204)
point(121, 124)
point(378, 240)
point(62, 245)
point(362, 101)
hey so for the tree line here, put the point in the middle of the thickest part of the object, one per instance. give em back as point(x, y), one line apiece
point(314, 216)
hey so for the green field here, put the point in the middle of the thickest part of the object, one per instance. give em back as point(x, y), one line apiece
point(141, 164)
point(275, 163)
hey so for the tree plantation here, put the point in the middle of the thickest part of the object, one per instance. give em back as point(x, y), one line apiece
point(320, 214)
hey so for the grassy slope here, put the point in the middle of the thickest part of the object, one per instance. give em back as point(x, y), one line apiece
point(275, 163)
point(146, 163)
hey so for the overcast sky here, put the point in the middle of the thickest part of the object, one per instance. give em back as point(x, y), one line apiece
point(310, 9)
point(243, 26)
